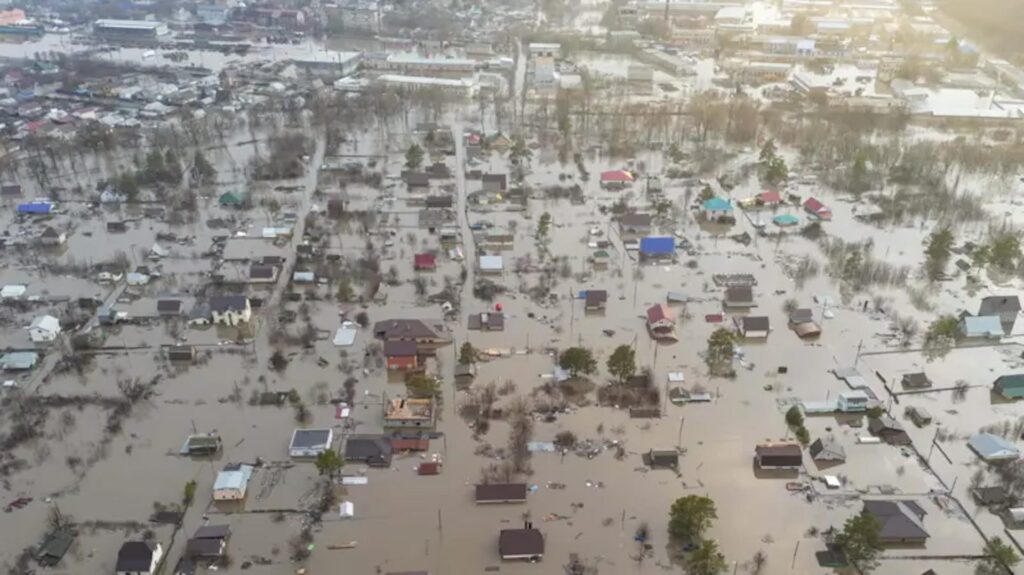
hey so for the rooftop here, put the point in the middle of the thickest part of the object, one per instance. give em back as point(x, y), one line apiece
point(409, 409)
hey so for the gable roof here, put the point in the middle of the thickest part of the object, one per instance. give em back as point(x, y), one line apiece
point(827, 450)
point(770, 197)
point(372, 449)
point(520, 542)
point(168, 305)
point(635, 219)
point(616, 176)
point(403, 328)
point(739, 294)
point(424, 260)
point(403, 348)
point(134, 556)
point(657, 313)
point(898, 519)
point(755, 323)
point(982, 326)
point(814, 206)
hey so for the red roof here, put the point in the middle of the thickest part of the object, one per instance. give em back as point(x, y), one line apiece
point(769, 197)
point(616, 176)
point(814, 206)
point(429, 468)
point(422, 261)
point(658, 313)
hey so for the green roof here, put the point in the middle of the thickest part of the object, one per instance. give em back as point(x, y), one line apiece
point(1013, 380)
point(230, 199)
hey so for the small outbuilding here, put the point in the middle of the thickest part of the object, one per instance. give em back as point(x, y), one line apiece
point(501, 493)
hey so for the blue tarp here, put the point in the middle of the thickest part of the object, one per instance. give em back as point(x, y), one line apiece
point(35, 208)
point(657, 246)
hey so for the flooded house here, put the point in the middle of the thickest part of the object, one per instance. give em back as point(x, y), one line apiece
point(428, 337)
point(18, 360)
point(901, 521)
point(595, 300)
point(980, 327)
point(916, 380)
point(487, 321)
point(208, 543)
point(262, 274)
point(1006, 307)
point(138, 558)
point(778, 456)
point(416, 182)
point(817, 209)
point(827, 451)
point(491, 265)
point(52, 237)
point(991, 447)
point(660, 322)
point(371, 450)
point(232, 482)
point(501, 493)
point(401, 355)
point(310, 442)
point(661, 458)
point(424, 262)
point(201, 444)
point(494, 182)
point(230, 310)
point(409, 413)
point(439, 202)
point(525, 544)
point(717, 210)
point(169, 307)
point(1009, 386)
point(889, 430)
point(752, 327)
point(635, 225)
point(44, 329)
point(616, 179)
point(654, 248)
point(739, 297)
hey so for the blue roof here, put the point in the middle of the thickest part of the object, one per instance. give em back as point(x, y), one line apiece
point(989, 446)
point(233, 478)
point(35, 208)
point(983, 326)
point(786, 220)
point(657, 245)
point(716, 205)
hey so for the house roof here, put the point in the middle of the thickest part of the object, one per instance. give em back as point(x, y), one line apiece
point(494, 321)
point(233, 477)
point(770, 197)
point(517, 542)
point(635, 219)
point(997, 304)
point(261, 271)
point(916, 379)
point(168, 305)
point(739, 294)
point(801, 315)
point(416, 178)
point(990, 446)
point(368, 448)
point(403, 348)
point(424, 260)
point(616, 176)
point(492, 263)
point(46, 323)
point(223, 303)
point(885, 422)
point(439, 201)
point(403, 328)
point(50, 232)
point(204, 547)
point(501, 492)
point(500, 179)
point(596, 297)
point(898, 519)
point(134, 556)
point(310, 438)
point(657, 245)
point(716, 205)
point(814, 206)
point(657, 313)
point(982, 325)
point(827, 450)
point(755, 323)
point(18, 360)
point(786, 220)
point(1010, 380)
point(778, 450)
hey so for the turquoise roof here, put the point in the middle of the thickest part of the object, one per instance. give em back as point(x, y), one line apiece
point(716, 205)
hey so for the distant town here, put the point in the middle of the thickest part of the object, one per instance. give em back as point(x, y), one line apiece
point(409, 288)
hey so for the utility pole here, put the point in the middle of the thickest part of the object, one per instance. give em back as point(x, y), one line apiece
point(679, 438)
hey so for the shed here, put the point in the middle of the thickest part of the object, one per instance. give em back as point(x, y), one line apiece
point(656, 458)
point(54, 547)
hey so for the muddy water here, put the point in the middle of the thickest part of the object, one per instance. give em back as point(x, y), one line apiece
point(407, 522)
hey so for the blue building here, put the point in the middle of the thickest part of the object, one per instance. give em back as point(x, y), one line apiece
point(657, 247)
point(36, 208)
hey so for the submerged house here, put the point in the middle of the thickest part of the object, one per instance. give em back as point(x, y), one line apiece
point(827, 451)
point(981, 327)
point(657, 248)
point(372, 450)
point(138, 558)
point(230, 309)
point(778, 456)
point(817, 209)
point(310, 442)
point(1009, 386)
point(888, 430)
point(660, 323)
point(753, 327)
point(901, 521)
point(521, 544)
point(501, 493)
point(992, 447)
point(1006, 307)
point(717, 210)
point(401, 355)
point(409, 413)
point(232, 483)
point(739, 297)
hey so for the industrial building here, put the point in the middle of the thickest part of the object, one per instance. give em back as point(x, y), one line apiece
point(143, 29)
